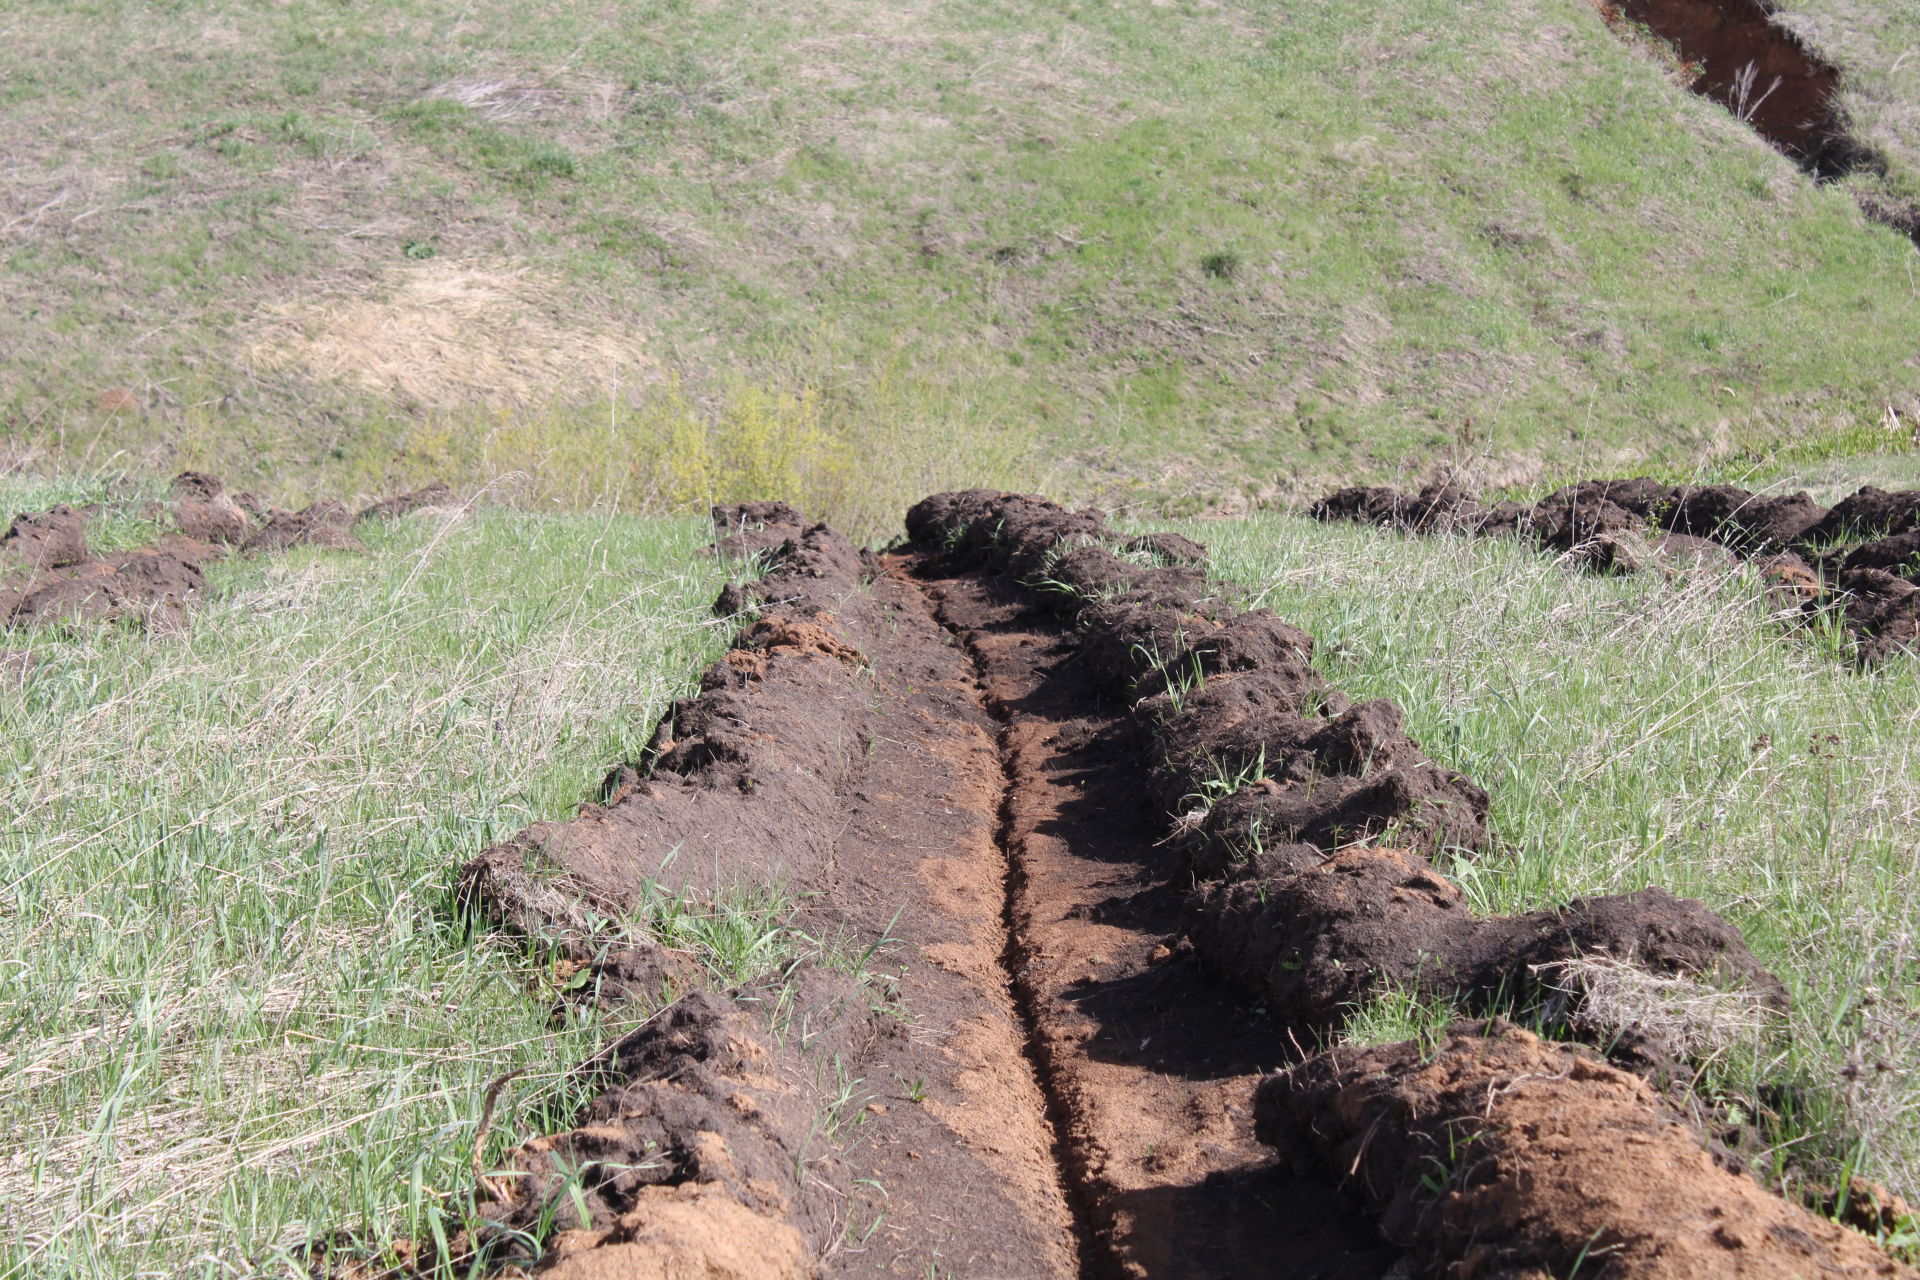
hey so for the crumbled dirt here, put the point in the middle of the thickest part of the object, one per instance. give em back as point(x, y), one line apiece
point(841, 749)
point(1869, 512)
point(49, 575)
point(1114, 852)
point(696, 1097)
point(1870, 1207)
point(203, 509)
point(323, 524)
point(1150, 1063)
point(1496, 1154)
point(1090, 893)
point(1859, 561)
point(43, 540)
point(152, 587)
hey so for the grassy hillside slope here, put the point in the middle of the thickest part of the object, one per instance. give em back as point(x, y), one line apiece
point(1875, 45)
point(1194, 252)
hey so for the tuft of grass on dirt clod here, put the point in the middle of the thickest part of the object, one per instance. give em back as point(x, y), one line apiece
point(235, 1005)
point(1640, 731)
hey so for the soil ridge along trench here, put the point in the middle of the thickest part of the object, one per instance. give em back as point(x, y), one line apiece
point(1092, 863)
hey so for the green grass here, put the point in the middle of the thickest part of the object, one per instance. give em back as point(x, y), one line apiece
point(1872, 43)
point(1187, 255)
point(1639, 731)
point(235, 1004)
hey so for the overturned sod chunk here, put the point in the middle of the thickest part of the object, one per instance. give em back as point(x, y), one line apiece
point(1256, 772)
point(1320, 942)
point(1882, 612)
point(203, 509)
point(1438, 506)
point(437, 494)
point(150, 586)
point(41, 540)
point(1868, 512)
point(323, 524)
point(1499, 1155)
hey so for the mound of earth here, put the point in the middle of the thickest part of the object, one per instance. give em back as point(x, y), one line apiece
point(1856, 561)
point(1495, 1153)
point(48, 574)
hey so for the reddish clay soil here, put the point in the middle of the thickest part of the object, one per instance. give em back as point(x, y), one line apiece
point(1759, 71)
point(1734, 52)
point(49, 575)
point(1857, 562)
point(1498, 1154)
point(1106, 910)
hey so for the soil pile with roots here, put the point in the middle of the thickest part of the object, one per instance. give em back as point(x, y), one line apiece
point(1115, 858)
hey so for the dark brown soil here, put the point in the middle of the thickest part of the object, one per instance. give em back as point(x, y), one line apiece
point(1756, 69)
point(1497, 1154)
point(437, 494)
point(1734, 52)
point(49, 575)
point(1150, 1062)
point(1321, 942)
point(842, 750)
point(324, 524)
point(43, 540)
point(1858, 562)
point(1111, 852)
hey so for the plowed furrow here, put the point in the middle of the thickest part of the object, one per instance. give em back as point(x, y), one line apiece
point(1150, 1064)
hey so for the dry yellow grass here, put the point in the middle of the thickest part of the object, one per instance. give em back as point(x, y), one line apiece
point(446, 334)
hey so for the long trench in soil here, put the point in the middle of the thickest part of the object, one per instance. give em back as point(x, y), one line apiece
point(1030, 1075)
point(1146, 1063)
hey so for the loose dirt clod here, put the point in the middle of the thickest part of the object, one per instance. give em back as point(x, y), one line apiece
point(323, 524)
point(437, 494)
point(703, 1131)
point(1499, 1154)
point(48, 574)
point(203, 509)
point(1322, 941)
point(43, 540)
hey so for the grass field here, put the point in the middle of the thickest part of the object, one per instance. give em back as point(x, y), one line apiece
point(1191, 255)
point(1637, 731)
point(237, 1006)
point(603, 263)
